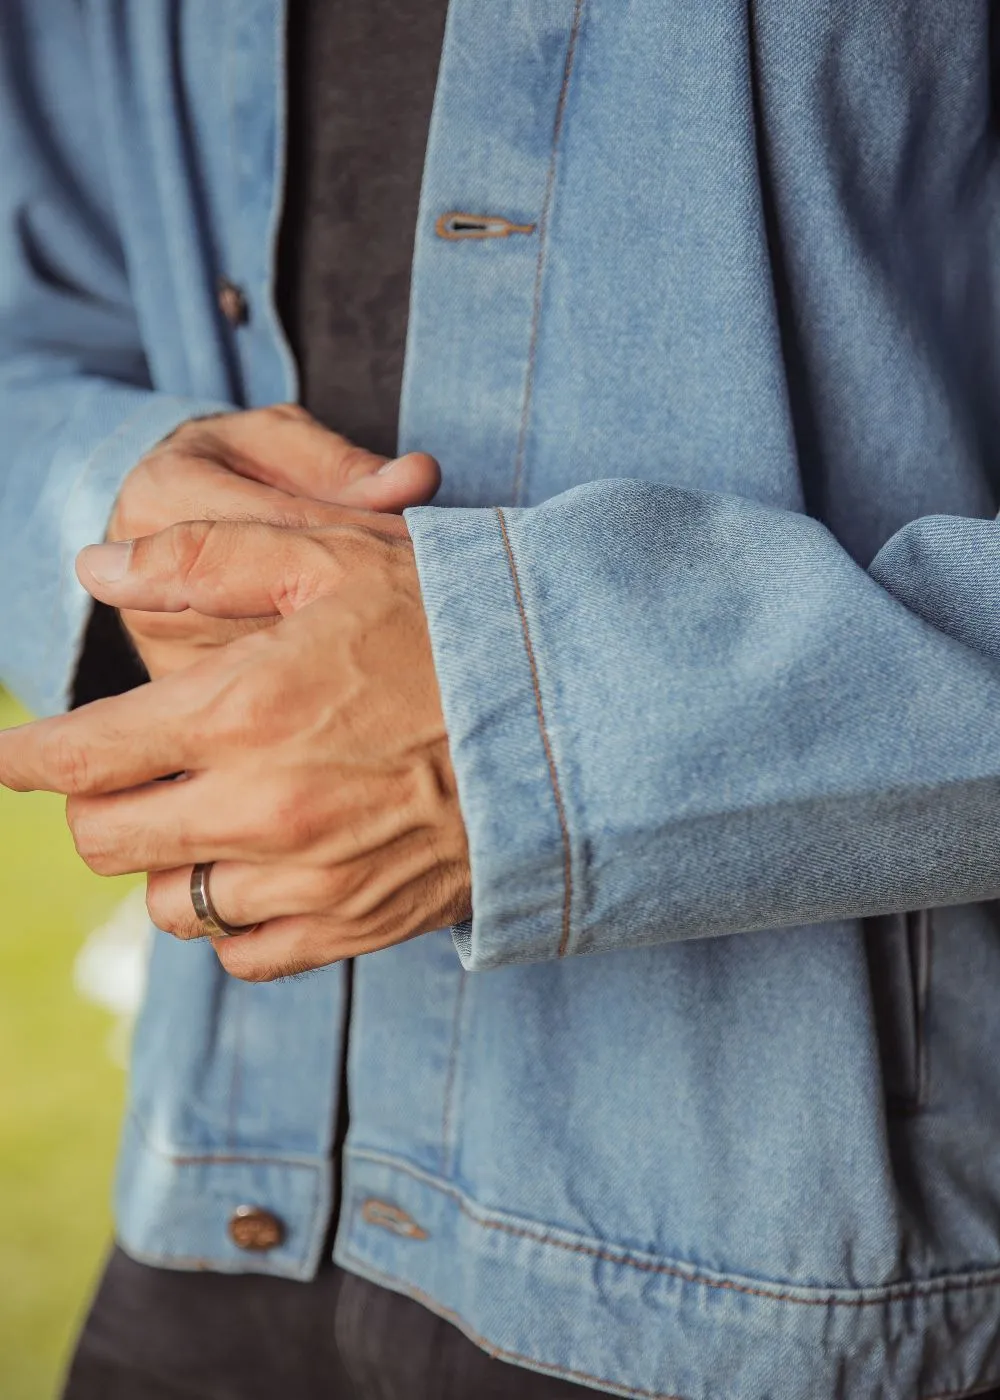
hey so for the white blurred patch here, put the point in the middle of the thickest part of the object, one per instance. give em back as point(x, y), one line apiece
point(110, 968)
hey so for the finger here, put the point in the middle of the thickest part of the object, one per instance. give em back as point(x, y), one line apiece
point(407, 481)
point(286, 946)
point(241, 894)
point(121, 742)
point(163, 825)
point(157, 826)
point(217, 568)
point(171, 641)
point(417, 899)
point(181, 486)
point(285, 447)
point(204, 490)
point(107, 745)
point(358, 848)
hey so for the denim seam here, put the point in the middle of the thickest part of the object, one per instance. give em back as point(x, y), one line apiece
point(279, 186)
point(236, 1077)
point(229, 258)
point(546, 743)
point(208, 1263)
point(447, 1147)
point(914, 1100)
point(299, 1258)
point(498, 1352)
point(543, 229)
point(185, 1159)
point(303, 1258)
point(611, 1387)
point(878, 1297)
point(923, 1009)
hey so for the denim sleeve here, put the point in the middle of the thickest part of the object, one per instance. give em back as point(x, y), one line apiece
point(76, 406)
point(679, 714)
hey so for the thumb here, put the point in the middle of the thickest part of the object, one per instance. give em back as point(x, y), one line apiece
point(392, 485)
point(219, 568)
point(285, 447)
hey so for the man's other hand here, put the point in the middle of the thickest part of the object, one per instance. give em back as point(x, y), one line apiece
point(272, 464)
point(317, 770)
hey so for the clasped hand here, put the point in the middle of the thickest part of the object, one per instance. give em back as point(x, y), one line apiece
point(315, 765)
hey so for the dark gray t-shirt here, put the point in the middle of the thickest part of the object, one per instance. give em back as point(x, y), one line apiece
point(361, 77)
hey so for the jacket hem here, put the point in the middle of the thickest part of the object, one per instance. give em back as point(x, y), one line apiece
point(172, 1208)
point(657, 1329)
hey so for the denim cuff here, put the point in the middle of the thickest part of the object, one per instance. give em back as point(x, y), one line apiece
point(506, 757)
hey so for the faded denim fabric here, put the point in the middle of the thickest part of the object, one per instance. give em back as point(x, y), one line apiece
point(713, 587)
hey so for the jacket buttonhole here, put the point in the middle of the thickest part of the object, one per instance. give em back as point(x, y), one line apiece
point(389, 1217)
point(455, 225)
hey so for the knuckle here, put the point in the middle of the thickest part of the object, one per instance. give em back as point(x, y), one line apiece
point(90, 846)
point(195, 436)
point(285, 413)
point(358, 905)
point(189, 544)
point(352, 461)
point(304, 946)
point(67, 762)
point(142, 502)
point(330, 887)
point(169, 912)
point(182, 434)
point(130, 517)
point(187, 930)
point(381, 930)
point(312, 574)
point(248, 706)
point(153, 626)
point(103, 863)
point(233, 906)
point(293, 825)
point(243, 963)
point(158, 905)
point(346, 890)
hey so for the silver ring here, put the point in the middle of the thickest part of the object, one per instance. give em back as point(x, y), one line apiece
point(208, 916)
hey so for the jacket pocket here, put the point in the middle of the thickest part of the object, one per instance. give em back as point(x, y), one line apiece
point(899, 964)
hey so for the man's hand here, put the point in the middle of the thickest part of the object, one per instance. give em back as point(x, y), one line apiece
point(318, 775)
point(272, 464)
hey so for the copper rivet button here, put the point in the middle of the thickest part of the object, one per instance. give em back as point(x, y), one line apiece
point(232, 302)
point(253, 1227)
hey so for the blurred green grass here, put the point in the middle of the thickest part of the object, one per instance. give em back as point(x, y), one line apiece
point(60, 1093)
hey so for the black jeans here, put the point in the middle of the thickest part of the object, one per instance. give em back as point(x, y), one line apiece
point(155, 1334)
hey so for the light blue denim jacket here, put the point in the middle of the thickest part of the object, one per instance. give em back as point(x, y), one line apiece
point(714, 593)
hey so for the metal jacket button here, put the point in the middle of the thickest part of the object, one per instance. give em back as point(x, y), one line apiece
point(232, 302)
point(253, 1227)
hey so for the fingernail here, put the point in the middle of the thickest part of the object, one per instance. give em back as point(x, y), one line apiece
point(107, 562)
point(386, 467)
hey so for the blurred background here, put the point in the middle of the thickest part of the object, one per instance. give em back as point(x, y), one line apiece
point(71, 965)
